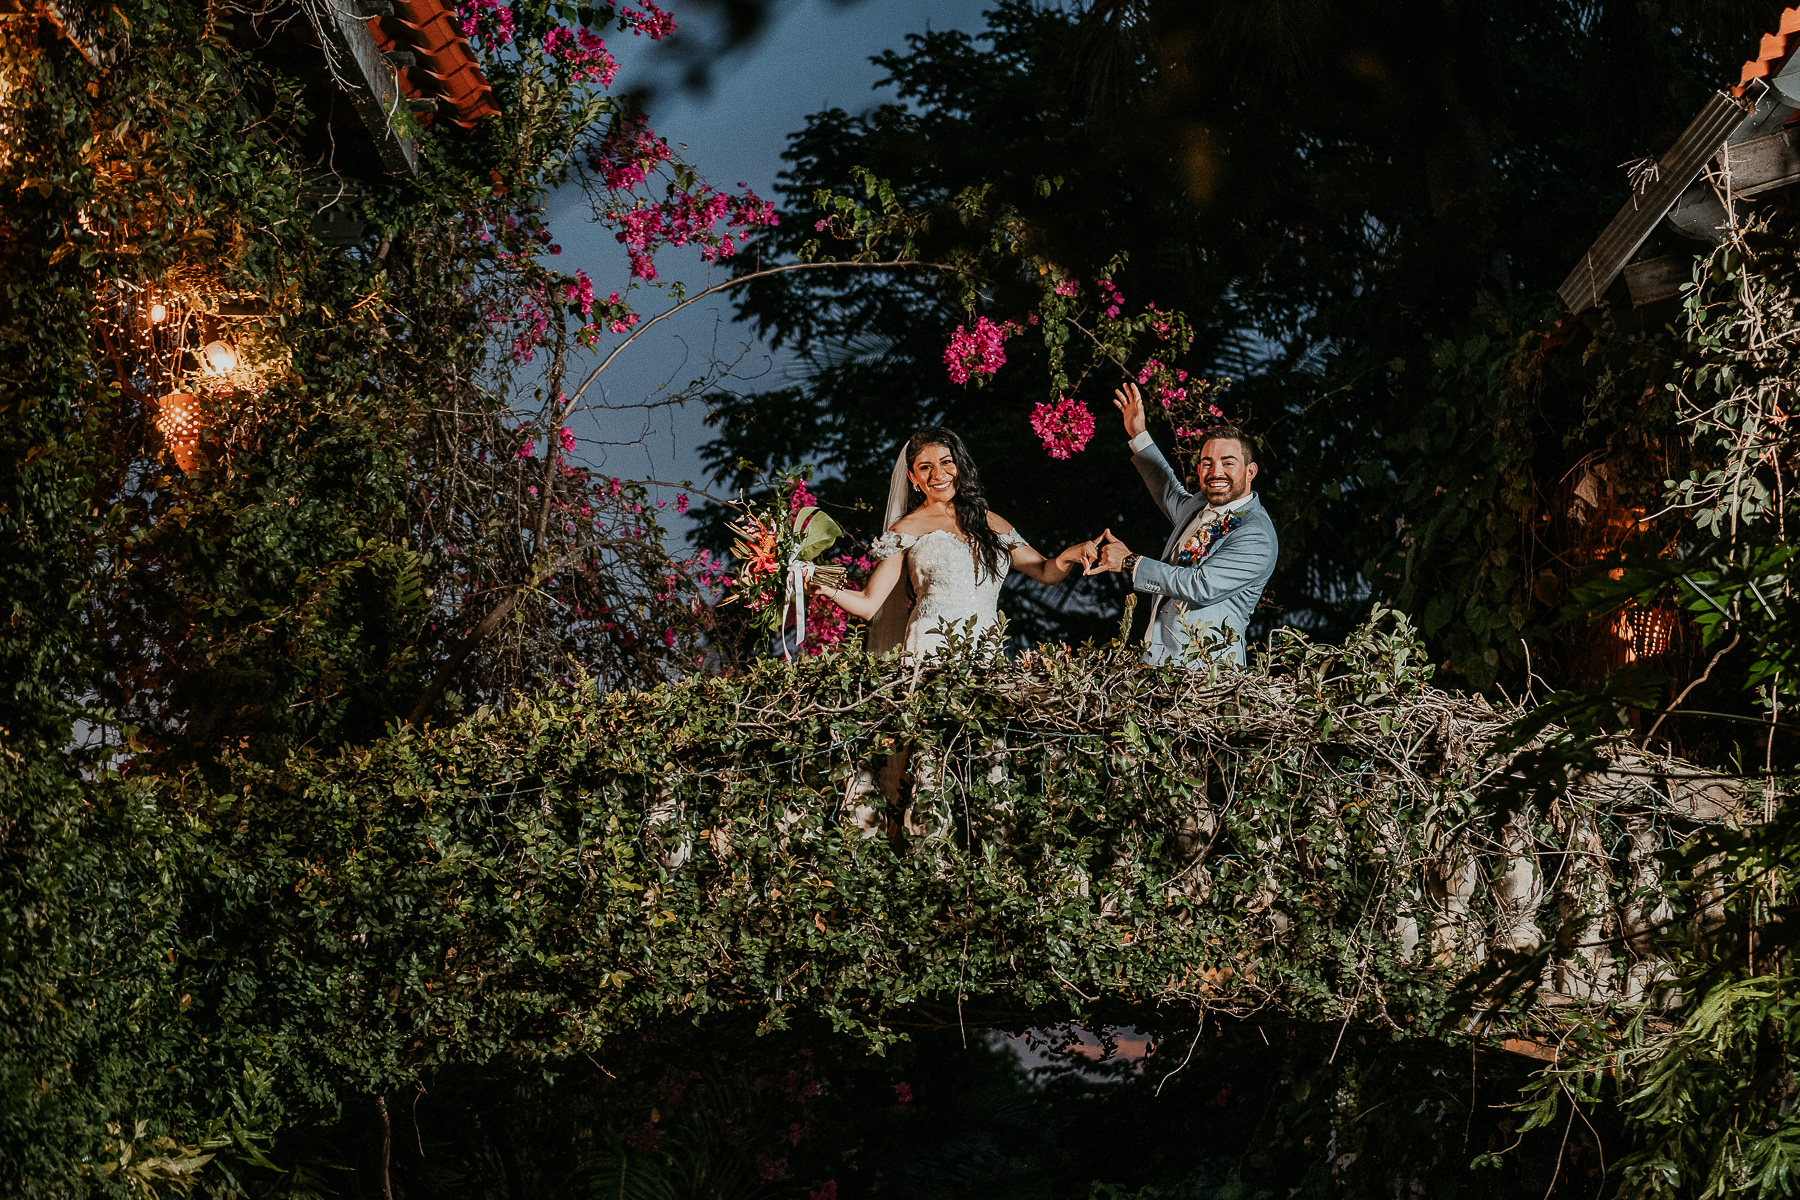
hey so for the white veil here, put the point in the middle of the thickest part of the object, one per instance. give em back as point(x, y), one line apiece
point(888, 628)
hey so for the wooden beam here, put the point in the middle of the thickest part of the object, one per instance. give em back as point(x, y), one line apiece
point(1674, 171)
point(1763, 164)
point(1658, 278)
point(373, 83)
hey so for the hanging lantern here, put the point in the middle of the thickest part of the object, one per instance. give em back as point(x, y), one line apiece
point(181, 420)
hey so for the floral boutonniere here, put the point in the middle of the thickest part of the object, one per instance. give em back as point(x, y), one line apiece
point(1201, 544)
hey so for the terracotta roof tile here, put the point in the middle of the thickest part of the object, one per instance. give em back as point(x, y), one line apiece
point(1775, 47)
point(447, 71)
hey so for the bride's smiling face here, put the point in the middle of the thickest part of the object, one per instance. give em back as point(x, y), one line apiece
point(933, 472)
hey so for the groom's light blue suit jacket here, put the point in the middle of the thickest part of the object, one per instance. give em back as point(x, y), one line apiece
point(1223, 589)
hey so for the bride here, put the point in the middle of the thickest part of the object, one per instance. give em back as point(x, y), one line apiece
point(955, 553)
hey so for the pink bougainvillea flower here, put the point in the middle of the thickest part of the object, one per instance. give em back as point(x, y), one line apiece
point(628, 153)
point(981, 351)
point(581, 292)
point(648, 20)
point(801, 497)
point(583, 54)
point(489, 20)
point(1064, 427)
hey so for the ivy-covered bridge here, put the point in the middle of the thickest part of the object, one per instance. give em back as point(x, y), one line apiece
point(1314, 840)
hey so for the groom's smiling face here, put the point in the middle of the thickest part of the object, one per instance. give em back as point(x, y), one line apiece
point(1225, 474)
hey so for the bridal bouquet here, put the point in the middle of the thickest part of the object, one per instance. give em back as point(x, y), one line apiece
point(776, 550)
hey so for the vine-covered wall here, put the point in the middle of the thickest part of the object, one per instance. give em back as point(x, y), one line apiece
point(1086, 837)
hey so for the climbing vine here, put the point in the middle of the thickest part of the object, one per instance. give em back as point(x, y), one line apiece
point(1085, 836)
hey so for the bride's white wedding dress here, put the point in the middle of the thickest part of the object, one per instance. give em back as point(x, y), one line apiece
point(941, 567)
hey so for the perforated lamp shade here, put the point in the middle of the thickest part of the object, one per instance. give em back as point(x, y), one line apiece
point(181, 420)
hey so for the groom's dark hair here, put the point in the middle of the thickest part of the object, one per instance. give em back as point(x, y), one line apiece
point(1231, 433)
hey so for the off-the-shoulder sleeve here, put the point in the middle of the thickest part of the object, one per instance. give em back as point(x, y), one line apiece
point(1012, 540)
point(890, 544)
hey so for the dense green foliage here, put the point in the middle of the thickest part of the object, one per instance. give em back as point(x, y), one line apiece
point(1709, 1104)
point(352, 522)
point(554, 881)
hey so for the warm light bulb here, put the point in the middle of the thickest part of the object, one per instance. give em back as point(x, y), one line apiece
point(221, 357)
point(159, 313)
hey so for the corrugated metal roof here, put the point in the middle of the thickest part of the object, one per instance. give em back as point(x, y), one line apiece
point(1628, 230)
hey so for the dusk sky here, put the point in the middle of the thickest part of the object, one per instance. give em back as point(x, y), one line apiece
point(814, 55)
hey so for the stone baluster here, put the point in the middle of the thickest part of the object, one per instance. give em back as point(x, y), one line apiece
point(1451, 876)
point(1518, 886)
point(860, 811)
point(674, 851)
point(1644, 910)
point(1193, 835)
point(1584, 972)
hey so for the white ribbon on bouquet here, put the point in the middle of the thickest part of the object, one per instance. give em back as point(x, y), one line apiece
point(794, 593)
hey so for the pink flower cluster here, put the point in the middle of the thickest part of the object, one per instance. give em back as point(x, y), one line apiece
point(580, 293)
point(619, 318)
point(1160, 324)
point(1064, 427)
point(582, 54)
point(978, 352)
point(1168, 382)
point(688, 217)
point(648, 21)
point(1068, 287)
point(826, 623)
point(489, 20)
point(628, 153)
point(533, 322)
point(1115, 299)
point(800, 497)
point(566, 437)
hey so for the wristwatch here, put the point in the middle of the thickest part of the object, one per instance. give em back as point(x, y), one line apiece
point(1130, 564)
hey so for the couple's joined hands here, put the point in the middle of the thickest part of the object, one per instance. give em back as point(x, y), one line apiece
point(1111, 556)
point(1096, 556)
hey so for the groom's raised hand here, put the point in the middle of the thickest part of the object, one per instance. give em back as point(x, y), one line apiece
point(1130, 403)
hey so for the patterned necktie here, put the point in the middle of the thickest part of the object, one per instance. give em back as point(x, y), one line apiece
point(1193, 545)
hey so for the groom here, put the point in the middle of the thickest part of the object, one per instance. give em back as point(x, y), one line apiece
point(1222, 552)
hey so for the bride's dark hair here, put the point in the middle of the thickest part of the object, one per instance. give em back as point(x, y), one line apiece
point(970, 502)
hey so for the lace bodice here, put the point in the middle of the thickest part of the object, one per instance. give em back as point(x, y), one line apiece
point(941, 567)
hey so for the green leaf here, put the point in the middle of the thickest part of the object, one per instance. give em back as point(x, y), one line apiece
point(817, 532)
